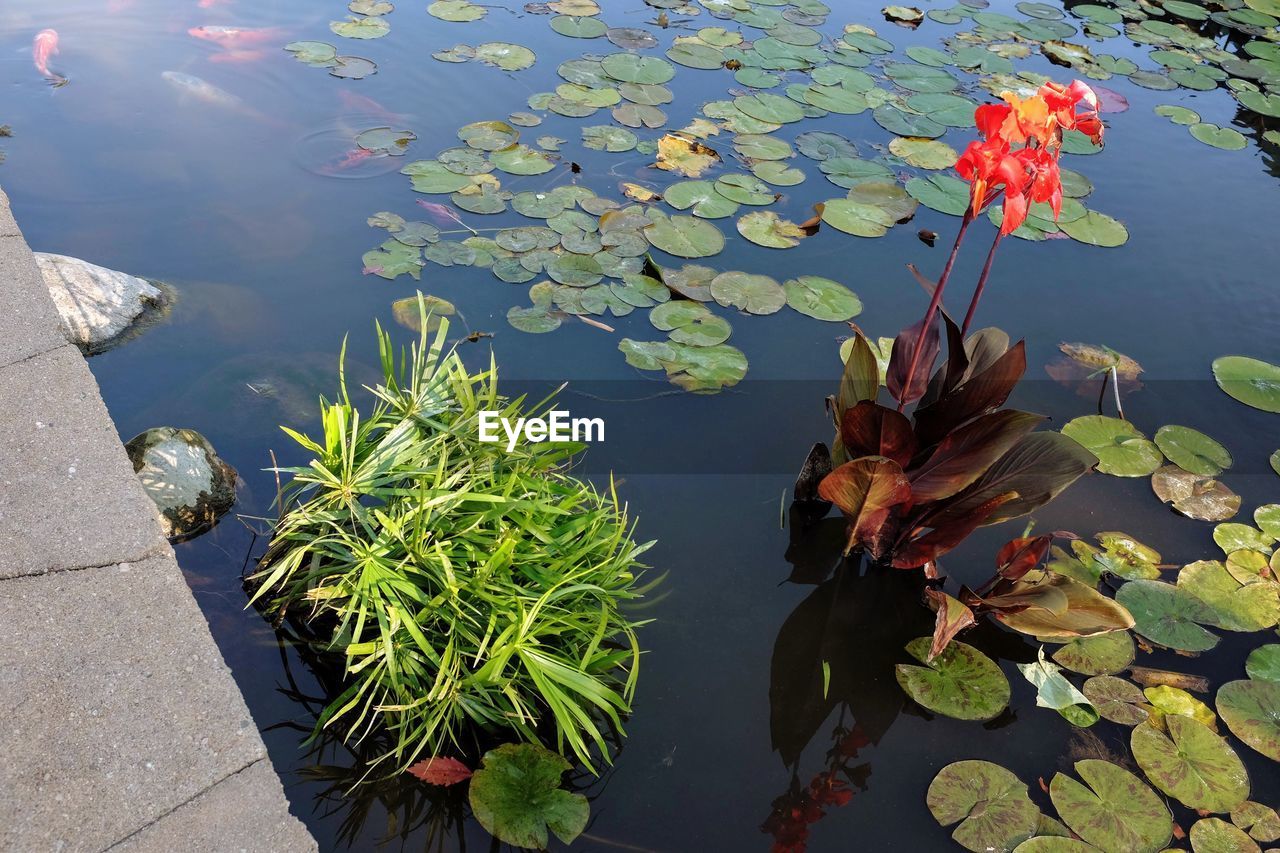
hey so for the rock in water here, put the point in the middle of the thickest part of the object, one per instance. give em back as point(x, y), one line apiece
point(179, 469)
point(100, 307)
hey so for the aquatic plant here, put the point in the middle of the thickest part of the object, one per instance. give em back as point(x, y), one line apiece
point(913, 489)
point(468, 591)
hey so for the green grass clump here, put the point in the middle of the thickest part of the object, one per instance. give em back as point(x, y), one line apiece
point(469, 592)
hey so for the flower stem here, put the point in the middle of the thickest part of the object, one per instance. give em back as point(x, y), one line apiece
point(933, 310)
point(982, 283)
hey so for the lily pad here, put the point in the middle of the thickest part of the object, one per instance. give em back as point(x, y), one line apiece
point(1263, 663)
point(683, 236)
point(771, 108)
point(701, 197)
point(1232, 605)
point(766, 228)
point(1178, 115)
point(360, 28)
point(1219, 137)
point(314, 53)
point(822, 298)
point(1117, 700)
point(1201, 498)
point(1096, 229)
point(1166, 700)
point(1121, 449)
point(924, 153)
point(606, 137)
point(1254, 383)
point(960, 682)
point(942, 193)
point(754, 294)
point(1251, 709)
point(1262, 822)
point(516, 796)
point(1168, 615)
point(1115, 811)
point(857, 218)
point(690, 323)
point(1105, 654)
point(904, 123)
point(1191, 764)
point(1215, 835)
point(522, 160)
point(456, 11)
point(990, 804)
point(633, 68)
point(1234, 536)
point(1192, 450)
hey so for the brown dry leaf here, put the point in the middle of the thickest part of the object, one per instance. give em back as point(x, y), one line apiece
point(1201, 498)
point(1088, 613)
point(683, 156)
point(636, 192)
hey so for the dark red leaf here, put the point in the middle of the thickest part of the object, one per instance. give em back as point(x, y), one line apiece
point(861, 378)
point(869, 429)
point(982, 391)
point(441, 771)
point(866, 490)
point(904, 347)
point(1037, 468)
point(965, 454)
point(1020, 556)
point(947, 535)
point(953, 617)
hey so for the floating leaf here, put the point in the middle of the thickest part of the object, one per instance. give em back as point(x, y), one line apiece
point(1087, 613)
point(353, 67)
point(1251, 709)
point(1215, 835)
point(924, 153)
point(438, 770)
point(754, 294)
point(1105, 654)
point(1054, 691)
point(1254, 383)
point(315, 53)
point(1191, 764)
point(1121, 449)
point(360, 28)
point(942, 193)
point(766, 107)
point(684, 156)
point(990, 804)
point(1178, 115)
point(606, 137)
point(1194, 496)
point(1096, 229)
point(504, 55)
point(516, 796)
point(489, 135)
point(822, 298)
point(823, 145)
point(456, 11)
point(1261, 821)
point(1117, 700)
point(1236, 537)
point(961, 682)
point(744, 189)
point(633, 68)
point(1232, 605)
point(1219, 137)
point(1116, 811)
point(696, 369)
point(1263, 663)
point(702, 198)
point(683, 236)
point(690, 323)
point(522, 160)
point(1167, 615)
point(766, 228)
point(1192, 450)
point(1166, 699)
point(904, 123)
point(857, 218)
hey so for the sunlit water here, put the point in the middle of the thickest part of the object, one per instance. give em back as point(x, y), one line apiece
point(233, 205)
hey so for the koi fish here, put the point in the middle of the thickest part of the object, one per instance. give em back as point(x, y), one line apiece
point(44, 46)
point(237, 56)
point(201, 90)
point(364, 105)
point(352, 158)
point(234, 37)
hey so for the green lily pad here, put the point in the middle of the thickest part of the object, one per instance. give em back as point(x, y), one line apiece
point(1191, 764)
point(702, 370)
point(393, 259)
point(824, 145)
point(1121, 449)
point(1263, 663)
point(456, 11)
point(690, 323)
point(1215, 835)
point(765, 228)
point(579, 27)
point(407, 314)
point(1251, 709)
point(777, 173)
point(942, 193)
point(960, 682)
point(683, 236)
point(759, 146)
point(1193, 450)
point(317, 54)
point(1117, 700)
point(857, 218)
point(1054, 844)
point(1232, 605)
point(1115, 811)
point(489, 135)
point(1254, 383)
point(990, 804)
point(504, 55)
point(516, 796)
point(744, 189)
point(921, 78)
point(848, 172)
point(1054, 691)
point(606, 137)
point(633, 68)
point(924, 153)
point(1168, 615)
point(1096, 229)
point(701, 197)
point(1267, 517)
point(360, 28)
point(904, 123)
point(693, 53)
point(1219, 137)
point(522, 160)
point(822, 298)
point(1105, 654)
point(754, 294)
point(1262, 822)
point(1234, 536)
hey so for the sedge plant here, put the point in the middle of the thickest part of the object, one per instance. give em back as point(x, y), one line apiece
point(469, 593)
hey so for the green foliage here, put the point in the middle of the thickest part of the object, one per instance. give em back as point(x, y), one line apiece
point(462, 586)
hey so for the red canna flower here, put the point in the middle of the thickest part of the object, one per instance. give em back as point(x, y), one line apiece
point(988, 167)
point(1044, 181)
point(1062, 102)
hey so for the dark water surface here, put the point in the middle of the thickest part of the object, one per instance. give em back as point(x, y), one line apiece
point(119, 168)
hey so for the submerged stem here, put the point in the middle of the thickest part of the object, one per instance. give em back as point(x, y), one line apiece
point(933, 309)
point(982, 283)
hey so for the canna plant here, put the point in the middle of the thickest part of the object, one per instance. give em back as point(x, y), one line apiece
point(913, 487)
point(468, 593)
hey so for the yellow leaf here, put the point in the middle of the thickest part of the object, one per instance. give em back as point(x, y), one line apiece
point(683, 156)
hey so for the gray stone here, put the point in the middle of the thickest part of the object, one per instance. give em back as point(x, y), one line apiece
point(68, 495)
point(245, 812)
point(117, 706)
point(100, 307)
point(185, 478)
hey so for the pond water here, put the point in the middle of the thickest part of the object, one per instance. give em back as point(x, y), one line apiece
point(247, 208)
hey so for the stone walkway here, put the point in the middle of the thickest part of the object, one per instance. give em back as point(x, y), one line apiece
point(120, 726)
